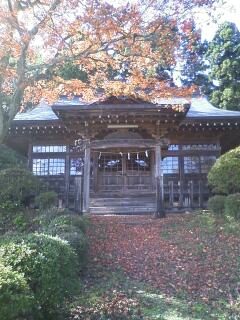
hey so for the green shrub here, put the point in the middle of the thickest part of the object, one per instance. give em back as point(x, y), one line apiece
point(217, 204)
point(46, 200)
point(232, 205)
point(224, 176)
point(79, 243)
point(50, 267)
point(73, 235)
point(16, 298)
point(17, 185)
point(46, 216)
point(71, 219)
point(10, 158)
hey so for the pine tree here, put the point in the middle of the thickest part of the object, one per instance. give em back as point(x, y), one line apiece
point(224, 59)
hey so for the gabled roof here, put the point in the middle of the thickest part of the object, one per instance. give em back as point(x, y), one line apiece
point(43, 112)
point(200, 108)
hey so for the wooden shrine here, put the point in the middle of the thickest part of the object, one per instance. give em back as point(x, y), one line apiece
point(126, 156)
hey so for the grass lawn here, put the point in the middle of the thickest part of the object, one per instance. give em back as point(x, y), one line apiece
point(182, 267)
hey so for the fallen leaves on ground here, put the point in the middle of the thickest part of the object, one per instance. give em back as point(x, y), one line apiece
point(178, 255)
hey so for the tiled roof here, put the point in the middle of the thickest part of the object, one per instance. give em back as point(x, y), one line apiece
point(200, 108)
point(42, 112)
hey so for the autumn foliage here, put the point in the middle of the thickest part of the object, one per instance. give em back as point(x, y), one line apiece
point(39, 37)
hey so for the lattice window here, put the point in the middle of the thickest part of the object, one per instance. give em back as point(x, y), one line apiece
point(170, 165)
point(173, 147)
point(138, 161)
point(48, 166)
point(207, 162)
point(49, 149)
point(56, 166)
point(40, 167)
point(76, 166)
point(109, 162)
point(191, 165)
point(209, 147)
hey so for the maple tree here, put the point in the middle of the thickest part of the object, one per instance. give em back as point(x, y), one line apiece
point(38, 37)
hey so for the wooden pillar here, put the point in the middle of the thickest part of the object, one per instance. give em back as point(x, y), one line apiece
point(30, 155)
point(95, 171)
point(191, 193)
point(170, 186)
point(86, 178)
point(78, 194)
point(67, 176)
point(200, 193)
point(181, 181)
point(160, 212)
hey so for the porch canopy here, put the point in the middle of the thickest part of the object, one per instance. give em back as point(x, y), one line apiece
point(101, 117)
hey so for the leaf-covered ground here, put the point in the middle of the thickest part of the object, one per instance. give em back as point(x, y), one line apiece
point(189, 260)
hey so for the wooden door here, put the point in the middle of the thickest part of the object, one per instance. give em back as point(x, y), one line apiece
point(126, 172)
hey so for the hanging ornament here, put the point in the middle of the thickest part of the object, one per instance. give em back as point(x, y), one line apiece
point(128, 156)
point(99, 157)
point(121, 154)
point(146, 153)
point(137, 156)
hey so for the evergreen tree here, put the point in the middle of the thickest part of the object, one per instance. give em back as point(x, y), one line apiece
point(194, 65)
point(224, 59)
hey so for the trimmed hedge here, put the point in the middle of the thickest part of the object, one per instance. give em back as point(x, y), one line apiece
point(46, 200)
point(16, 298)
point(232, 205)
point(50, 267)
point(217, 204)
point(224, 176)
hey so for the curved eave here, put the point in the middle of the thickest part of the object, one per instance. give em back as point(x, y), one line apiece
point(211, 119)
point(36, 122)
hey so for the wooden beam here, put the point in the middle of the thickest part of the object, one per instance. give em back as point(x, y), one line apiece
point(139, 143)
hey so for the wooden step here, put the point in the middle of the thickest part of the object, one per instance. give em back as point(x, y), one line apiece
point(122, 210)
point(137, 204)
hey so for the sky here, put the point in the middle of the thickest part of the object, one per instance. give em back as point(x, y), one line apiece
point(230, 11)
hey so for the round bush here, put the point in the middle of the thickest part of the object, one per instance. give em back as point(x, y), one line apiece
point(70, 219)
point(79, 243)
point(73, 235)
point(50, 267)
point(16, 298)
point(232, 205)
point(217, 204)
point(224, 176)
point(46, 200)
point(57, 229)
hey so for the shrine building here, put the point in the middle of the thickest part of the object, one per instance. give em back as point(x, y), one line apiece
point(123, 155)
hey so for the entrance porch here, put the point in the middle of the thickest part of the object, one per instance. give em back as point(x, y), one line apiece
point(123, 175)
